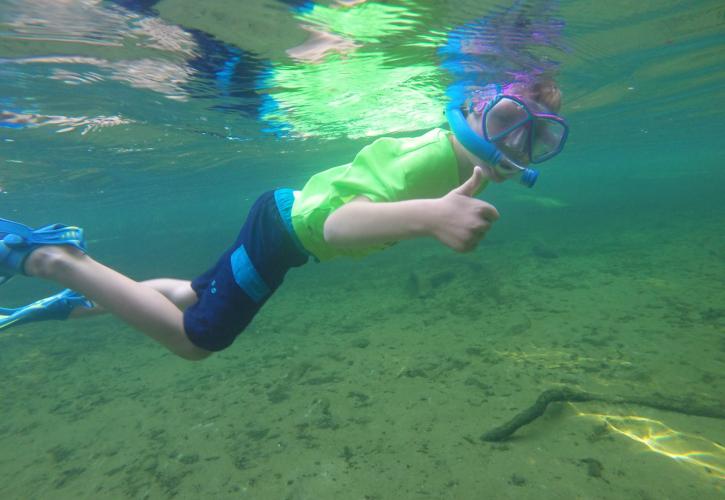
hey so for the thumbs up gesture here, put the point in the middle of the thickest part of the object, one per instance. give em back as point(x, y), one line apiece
point(460, 221)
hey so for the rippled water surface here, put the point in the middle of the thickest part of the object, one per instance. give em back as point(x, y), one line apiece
point(126, 87)
point(155, 124)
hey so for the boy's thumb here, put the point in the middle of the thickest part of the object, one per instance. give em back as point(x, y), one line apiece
point(470, 187)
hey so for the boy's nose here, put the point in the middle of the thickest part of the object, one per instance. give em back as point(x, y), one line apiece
point(516, 144)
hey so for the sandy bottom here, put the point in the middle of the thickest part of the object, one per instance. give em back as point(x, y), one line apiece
point(376, 379)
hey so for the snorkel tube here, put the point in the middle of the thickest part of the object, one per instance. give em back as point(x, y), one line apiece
point(484, 149)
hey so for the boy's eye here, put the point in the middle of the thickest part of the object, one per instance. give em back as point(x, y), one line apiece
point(505, 116)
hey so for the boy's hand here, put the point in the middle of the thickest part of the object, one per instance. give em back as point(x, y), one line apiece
point(460, 221)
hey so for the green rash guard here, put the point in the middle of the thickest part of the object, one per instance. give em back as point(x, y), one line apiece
point(386, 170)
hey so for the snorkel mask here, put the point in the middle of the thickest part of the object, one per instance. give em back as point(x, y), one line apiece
point(512, 126)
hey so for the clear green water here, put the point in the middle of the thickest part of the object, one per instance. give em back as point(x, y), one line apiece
point(370, 379)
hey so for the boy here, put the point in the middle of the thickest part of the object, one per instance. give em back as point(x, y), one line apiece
point(394, 189)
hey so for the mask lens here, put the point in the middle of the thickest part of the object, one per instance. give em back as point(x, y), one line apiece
point(548, 137)
point(515, 144)
point(503, 117)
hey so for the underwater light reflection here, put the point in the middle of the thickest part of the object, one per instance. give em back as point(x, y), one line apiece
point(663, 440)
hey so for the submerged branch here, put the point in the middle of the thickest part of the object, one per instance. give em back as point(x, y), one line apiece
point(566, 394)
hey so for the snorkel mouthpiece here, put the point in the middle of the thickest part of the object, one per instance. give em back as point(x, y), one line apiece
point(528, 177)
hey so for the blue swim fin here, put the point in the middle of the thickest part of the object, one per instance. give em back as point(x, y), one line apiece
point(57, 306)
point(18, 240)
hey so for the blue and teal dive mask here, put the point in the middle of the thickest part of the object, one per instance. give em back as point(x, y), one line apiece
point(516, 132)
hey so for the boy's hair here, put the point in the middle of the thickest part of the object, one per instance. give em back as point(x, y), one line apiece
point(543, 90)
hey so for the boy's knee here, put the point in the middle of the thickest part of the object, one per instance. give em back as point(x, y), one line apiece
point(196, 355)
point(190, 352)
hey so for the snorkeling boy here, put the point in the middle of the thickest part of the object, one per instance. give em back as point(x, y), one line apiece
point(394, 189)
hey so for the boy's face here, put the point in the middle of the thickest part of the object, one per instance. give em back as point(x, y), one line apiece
point(509, 124)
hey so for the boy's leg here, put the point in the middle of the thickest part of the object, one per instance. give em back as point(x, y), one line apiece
point(177, 291)
point(139, 305)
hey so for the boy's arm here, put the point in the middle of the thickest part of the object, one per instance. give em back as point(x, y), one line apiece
point(457, 219)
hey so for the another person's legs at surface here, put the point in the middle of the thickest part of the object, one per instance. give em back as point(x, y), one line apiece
point(142, 306)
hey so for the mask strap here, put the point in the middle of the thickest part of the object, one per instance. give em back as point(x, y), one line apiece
point(490, 102)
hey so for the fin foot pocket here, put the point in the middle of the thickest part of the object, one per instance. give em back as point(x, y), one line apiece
point(17, 241)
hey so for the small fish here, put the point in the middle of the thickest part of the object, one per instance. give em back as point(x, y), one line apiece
point(541, 201)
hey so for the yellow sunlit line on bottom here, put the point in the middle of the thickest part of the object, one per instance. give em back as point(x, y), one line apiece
point(653, 441)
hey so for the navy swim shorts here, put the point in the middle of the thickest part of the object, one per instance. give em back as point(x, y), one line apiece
point(245, 276)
